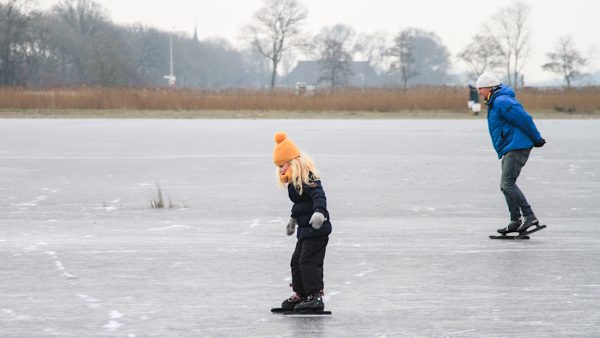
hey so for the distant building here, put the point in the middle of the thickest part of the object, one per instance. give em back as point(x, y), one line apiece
point(309, 72)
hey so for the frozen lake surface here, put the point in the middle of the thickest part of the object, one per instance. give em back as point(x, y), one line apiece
point(412, 204)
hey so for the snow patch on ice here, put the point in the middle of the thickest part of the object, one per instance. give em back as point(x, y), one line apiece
point(572, 169)
point(92, 302)
point(31, 203)
point(107, 208)
point(15, 316)
point(364, 273)
point(69, 276)
point(112, 325)
point(420, 208)
point(255, 222)
point(51, 331)
point(50, 190)
point(114, 314)
point(171, 227)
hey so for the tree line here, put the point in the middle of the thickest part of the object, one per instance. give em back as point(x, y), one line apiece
point(75, 43)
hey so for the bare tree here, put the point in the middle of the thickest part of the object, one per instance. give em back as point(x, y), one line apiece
point(512, 33)
point(371, 47)
point(149, 53)
point(81, 23)
point(276, 30)
point(481, 55)
point(403, 52)
point(13, 31)
point(420, 56)
point(41, 59)
point(335, 45)
point(565, 60)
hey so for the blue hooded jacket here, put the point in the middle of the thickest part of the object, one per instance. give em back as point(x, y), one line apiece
point(510, 126)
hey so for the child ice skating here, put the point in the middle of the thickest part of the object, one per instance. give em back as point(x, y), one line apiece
point(309, 214)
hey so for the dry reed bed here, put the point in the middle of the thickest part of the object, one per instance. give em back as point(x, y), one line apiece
point(380, 100)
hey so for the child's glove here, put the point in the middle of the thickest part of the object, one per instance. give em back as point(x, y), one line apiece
point(291, 226)
point(317, 219)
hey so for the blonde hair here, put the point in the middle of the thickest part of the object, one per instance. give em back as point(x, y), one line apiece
point(301, 167)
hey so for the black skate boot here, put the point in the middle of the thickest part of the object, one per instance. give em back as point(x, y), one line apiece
point(528, 222)
point(513, 226)
point(290, 303)
point(312, 304)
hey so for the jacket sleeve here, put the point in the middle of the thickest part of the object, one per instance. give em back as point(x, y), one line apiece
point(513, 112)
point(317, 196)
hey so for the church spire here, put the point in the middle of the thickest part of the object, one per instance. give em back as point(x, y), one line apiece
point(195, 34)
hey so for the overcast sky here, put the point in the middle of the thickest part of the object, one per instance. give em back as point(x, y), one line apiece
point(454, 21)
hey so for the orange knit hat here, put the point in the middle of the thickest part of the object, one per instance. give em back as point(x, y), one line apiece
point(285, 150)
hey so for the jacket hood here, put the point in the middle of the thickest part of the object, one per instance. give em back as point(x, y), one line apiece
point(504, 90)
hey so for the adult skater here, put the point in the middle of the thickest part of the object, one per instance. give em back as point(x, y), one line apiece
point(309, 212)
point(513, 135)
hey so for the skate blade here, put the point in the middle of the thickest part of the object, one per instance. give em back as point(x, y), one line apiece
point(528, 232)
point(304, 314)
point(507, 237)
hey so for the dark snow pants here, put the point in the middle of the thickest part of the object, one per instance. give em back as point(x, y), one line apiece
point(307, 265)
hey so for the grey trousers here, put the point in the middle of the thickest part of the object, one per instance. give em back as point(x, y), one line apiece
point(512, 163)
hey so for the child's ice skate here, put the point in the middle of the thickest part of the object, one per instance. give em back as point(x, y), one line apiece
point(290, 303)
point(312, 304)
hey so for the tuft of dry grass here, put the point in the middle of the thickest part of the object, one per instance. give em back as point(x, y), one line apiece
point(157, 201)
point(380, 100)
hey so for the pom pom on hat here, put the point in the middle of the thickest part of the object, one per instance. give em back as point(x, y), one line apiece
point(285, 150)
point(280, 136)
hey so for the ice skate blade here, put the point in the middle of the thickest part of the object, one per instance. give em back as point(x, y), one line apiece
point(519, 235)
point(288, 313)
point(308, 314)
point(507, 237)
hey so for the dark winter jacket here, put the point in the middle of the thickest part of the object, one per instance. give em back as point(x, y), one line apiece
point(510, 126)
point(312, 200)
